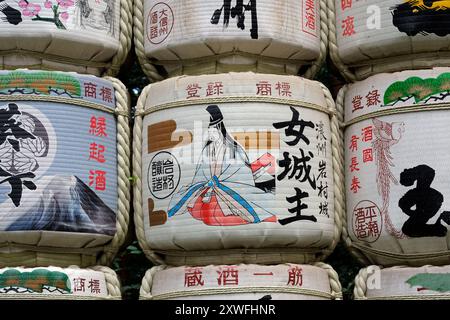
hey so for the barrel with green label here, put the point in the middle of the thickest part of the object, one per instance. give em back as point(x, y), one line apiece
point(397, 184)
point(64, 168)
point(403, 283)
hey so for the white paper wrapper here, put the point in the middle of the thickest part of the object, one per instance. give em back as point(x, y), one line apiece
point(248, 201)
point(369, 29)
point(397, 184)
point(178, 30)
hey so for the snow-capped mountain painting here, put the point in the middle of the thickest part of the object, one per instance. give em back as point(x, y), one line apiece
point(60, 203)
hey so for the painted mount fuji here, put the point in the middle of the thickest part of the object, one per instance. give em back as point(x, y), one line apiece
point(60, 203)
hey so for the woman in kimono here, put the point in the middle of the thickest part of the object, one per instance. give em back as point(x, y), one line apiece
point(223, 189)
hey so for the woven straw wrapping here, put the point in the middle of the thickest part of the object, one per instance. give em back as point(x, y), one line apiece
point(221, 50)
point(380, 43)
point(260, 254)
point(54, 251)
point(396, 119)
point(88, 37)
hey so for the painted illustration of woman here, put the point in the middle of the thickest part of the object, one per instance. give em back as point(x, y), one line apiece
point(223, 176)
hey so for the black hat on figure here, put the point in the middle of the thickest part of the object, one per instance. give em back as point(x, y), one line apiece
point(216, 116)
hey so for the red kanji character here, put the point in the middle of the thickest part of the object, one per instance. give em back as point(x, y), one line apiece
point(357, 103)
point(346, 4)
point(373, 98)
point(264, 88)
point(97, 126)
point(153, 32)
point(96, 152)
point(354, 143)
point(193, 277)
point(295, 276)
point(154, 17)
point(79, 285)
point(97, 178)
point(372, 229)
point(94, 285)
point(163, 22)
point(354, 165)
point(355, 185)
point(228, 276)
point(106, 94)
point(348, 25)
point(192, 90)
point(310, 15)
point(284, 89)
point(90, 90)
point(367, 155)
point(367, 134)
point(214, 89)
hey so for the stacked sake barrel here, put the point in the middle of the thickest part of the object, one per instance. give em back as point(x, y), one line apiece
point(207, 37)
point(234, 170)
point(394, 118)
point(86, 36)
point(64, 159)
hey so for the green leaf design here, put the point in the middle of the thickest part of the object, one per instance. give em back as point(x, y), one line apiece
point(418, 88)
point(35, 280)
point(439, 282)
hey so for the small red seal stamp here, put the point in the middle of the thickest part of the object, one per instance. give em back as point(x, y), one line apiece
point(160, 21)
point(367, 221)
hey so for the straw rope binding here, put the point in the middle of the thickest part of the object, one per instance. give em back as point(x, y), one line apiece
point(123, 172)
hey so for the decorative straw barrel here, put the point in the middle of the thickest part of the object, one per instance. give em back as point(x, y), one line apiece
point(203, 37)
point(236, 168)
point(242, 282)
point(397, 184)
point(64, 168)
point(85, 36)
point(54, 283)
point(369, 37)
point(403, 283)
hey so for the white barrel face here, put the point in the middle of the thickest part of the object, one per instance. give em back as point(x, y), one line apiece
point(397, 184)
point(181, 30)
point(54, 282)
point(58, 160)
point(426, 282)
point(83, 30)
point(236, 175)
point(368, 29)
point(243, 282)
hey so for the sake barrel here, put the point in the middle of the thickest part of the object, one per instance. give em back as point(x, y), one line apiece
point(54, 283)
point(242, 282)
point(64, 168)
point(397, 184)
point(369, 37)
point(229, 169)
point(86, 36)
point(403, 283)
point(203, 37)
